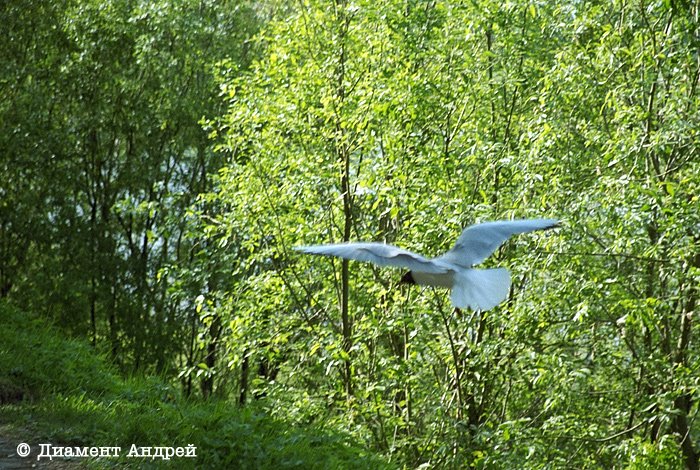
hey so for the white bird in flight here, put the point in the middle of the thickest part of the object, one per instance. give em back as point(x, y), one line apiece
point(478, 289)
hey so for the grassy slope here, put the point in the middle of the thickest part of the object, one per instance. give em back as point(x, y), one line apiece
point(65, 394)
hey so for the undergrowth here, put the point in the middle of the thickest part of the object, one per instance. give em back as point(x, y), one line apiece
point(58, 390)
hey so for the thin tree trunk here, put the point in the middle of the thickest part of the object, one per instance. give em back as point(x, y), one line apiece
point(684, 403)
point(245, 369)
point(343, 153)
point(210, 359)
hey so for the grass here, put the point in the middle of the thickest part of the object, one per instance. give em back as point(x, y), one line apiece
point(58, 390)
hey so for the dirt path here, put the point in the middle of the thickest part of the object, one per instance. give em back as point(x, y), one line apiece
point(9, 460)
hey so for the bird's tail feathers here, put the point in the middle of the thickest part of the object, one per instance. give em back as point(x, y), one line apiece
point(480, 289)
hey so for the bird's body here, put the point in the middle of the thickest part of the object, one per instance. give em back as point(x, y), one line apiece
point(430, 279)
point(478, 289)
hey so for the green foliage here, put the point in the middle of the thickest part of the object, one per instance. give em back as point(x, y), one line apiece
point(102, 154)
point(58, 364)
point(83, 404)
point(195, 144)
point(450, 114)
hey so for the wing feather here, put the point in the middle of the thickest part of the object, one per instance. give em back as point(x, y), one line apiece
point(478, 242)
point(380, 254)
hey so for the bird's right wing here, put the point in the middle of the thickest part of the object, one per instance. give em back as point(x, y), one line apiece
point(478, 242)
point(380, 254)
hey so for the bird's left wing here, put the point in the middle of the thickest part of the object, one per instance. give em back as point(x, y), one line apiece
point(380, 254)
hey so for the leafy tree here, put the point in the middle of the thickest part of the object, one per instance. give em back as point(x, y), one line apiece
point(168, 238)
point(452, 113)
point(107, 155)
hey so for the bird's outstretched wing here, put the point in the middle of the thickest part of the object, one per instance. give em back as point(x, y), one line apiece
point(478, 242)
point(380, 254)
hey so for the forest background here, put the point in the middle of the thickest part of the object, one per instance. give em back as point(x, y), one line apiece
point(159, 161)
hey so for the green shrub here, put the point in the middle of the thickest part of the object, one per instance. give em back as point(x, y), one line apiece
point(71, 397)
